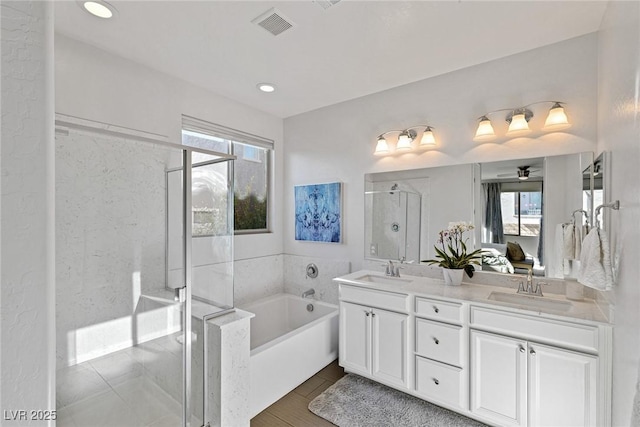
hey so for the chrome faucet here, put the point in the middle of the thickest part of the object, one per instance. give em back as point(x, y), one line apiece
point(309, 293)
point(530, 290)
point(392, 270)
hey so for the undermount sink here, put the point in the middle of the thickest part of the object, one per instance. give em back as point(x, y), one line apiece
point(531, 301)
point(384, 280)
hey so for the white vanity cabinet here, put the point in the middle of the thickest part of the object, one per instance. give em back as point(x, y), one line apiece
point(517, 381)
point(498, 364)
point(373, 341)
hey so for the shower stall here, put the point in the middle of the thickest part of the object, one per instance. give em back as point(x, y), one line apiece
point(144, 256)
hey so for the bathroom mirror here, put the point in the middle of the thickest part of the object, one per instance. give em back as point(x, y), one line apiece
point(535, 196)
point(404, 210)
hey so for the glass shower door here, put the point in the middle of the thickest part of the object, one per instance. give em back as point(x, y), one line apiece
point(122, 354)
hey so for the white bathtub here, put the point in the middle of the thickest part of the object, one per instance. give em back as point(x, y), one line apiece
point(288, 345)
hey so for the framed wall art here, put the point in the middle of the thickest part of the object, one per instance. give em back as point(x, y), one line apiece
point(318, 212)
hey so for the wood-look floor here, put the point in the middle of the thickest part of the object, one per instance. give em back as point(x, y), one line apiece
point(292, 409)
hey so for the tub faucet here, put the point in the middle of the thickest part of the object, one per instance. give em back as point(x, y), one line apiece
point(307, 294)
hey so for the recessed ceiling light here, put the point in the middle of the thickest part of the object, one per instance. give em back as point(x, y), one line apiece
point(266, 87)
point(98, 8)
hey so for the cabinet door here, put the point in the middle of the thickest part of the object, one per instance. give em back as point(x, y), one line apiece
point(390, 346)
point(355, 338)
point(562, 387)
point(498, 378)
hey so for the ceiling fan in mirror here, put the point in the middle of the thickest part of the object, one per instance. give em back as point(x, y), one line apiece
point(522, 173)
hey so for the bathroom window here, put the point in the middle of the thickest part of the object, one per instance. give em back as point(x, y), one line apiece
point(251, 170)
point(521, 212)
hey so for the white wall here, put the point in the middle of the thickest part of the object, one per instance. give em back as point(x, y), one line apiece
point(619, 133)
point(337, 142)
point(94, 84)
point(27, 211)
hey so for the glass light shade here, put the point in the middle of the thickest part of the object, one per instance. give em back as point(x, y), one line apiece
point(427, 137)
point(485, 131)
point(404, 142)
point(518, 125)
point(381, 147)
point(99, 9)
point(557, 119)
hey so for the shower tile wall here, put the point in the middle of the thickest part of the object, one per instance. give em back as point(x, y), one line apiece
point(110, 241)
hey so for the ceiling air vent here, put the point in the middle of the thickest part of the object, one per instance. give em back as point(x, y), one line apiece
point(326, 4)
point(273, 21)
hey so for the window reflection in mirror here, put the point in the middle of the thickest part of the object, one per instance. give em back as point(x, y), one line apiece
point(525, 206)
point(512, 216)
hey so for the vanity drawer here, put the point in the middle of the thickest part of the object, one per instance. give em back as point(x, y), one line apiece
point(441, 383)
point(388, 300)
point(564, 334)
point(439, 310)
point(439, 341)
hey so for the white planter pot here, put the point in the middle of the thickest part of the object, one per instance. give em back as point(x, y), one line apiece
point(452, 277)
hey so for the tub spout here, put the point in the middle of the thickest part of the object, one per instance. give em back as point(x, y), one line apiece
point(307, 294)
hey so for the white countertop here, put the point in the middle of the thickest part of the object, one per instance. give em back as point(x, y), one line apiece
point(585, 310)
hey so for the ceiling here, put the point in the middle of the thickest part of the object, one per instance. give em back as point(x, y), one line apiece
point(351, 49)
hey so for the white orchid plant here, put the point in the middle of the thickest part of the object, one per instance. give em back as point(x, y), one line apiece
point(451, 248)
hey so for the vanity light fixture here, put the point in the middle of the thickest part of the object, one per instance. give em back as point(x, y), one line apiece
point(98, 8)
point(405, 139)
point(518, 120)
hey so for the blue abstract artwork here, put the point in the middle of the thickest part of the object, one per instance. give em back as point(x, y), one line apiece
point(318, 212)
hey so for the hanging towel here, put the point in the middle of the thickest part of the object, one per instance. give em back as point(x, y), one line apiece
point(595, 262)
point(578, 238)
point(569, 243)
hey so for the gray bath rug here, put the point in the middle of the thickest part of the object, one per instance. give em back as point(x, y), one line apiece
point(354, 401)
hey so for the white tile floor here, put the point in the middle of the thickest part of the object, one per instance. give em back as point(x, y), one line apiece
point(121, 389)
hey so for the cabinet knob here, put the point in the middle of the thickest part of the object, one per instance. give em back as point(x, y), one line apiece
point(532, 352)
point(436, 340)
point(522, 350)
point(435, 381)
point(373, 314)
point(436, 309)
point(366, 313)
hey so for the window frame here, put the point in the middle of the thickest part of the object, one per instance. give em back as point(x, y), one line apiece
point(232, 137)
point(518, 192)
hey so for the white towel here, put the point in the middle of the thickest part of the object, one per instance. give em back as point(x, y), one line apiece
point(572, 241)
point(569, 243)
point(578, 238)
point(595, 262)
